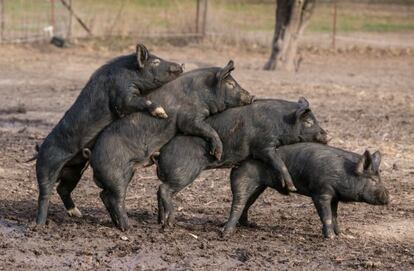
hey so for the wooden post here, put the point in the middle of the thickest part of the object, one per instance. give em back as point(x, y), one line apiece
point(52, 14)
point(197, 19)
point(334, 25)
point(205, 17)
point(70, 21)
point(2, 20)
point(68, 7)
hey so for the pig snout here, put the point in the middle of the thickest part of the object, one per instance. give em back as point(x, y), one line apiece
point(177, 68)
point(376, 195)
point(322, 137)
point(252, 98)
point(246, 98)
point(382, 197)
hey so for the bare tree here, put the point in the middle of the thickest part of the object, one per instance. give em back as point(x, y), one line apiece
point(292, 17)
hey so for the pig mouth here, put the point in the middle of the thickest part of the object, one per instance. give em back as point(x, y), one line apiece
point(252, 99)
point(383, 198)
point(249, 100)
point(176, 73)
point(322, 139)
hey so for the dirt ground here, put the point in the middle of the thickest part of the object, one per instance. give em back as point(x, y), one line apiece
point(363, 101)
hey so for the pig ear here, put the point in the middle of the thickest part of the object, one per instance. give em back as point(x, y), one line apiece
point(303, 108)
point(221, 75)
point(363, 163)
point(303, 102)
point(376, 161)
point(142, 55)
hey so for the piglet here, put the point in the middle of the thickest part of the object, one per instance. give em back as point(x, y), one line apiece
point(326, 174)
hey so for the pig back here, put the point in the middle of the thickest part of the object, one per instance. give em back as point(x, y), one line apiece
point(313, 166)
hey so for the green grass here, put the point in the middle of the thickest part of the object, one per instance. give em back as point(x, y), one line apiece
point(363, 18)
point(388, 27)
point(350, 17)
point(153, 16)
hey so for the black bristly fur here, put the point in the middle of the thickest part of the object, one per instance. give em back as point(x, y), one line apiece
point(255, 130)
point(326, 174)
point(113, 91)
point(188, 100)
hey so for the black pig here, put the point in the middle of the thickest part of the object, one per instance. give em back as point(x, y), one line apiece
point(326, 174)
point(113, 91)
point(255, 130)
point(188, 100)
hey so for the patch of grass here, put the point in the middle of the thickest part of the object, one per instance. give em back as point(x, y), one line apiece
point(351, 17)
point(388, 27)
point(363, 18)
point(143, 17)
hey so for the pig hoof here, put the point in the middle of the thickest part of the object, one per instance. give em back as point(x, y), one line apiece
point(291, 188)
point(74, 212)
point(226, 233)
point(337, 231)
point(159, 112)
point(329, 236)
point(248, 224)
point(166, 229)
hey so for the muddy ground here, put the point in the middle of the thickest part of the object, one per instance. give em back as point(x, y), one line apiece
point(364, 101)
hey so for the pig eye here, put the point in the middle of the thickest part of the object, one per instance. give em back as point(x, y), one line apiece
point(155, 62)
point(308, 122)
point(230, 84)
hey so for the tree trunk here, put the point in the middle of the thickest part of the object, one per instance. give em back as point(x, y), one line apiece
point(292, 17)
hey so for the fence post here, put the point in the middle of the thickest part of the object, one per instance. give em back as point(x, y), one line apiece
point(52, 15)
point(2, 20)
point(72, 13)
point(70, 21)
point(197, 19)
point(334, 25)
point(205, 17)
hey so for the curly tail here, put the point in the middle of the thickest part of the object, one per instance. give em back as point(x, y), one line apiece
point(153, 159)
point(86, 153)
point(34, 157)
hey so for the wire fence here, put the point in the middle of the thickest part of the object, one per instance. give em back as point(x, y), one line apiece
point(249, 22)
point(31, 20)
point(34, 20)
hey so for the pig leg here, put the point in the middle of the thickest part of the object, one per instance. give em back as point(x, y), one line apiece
point(131, 101)
point(152, 108)
point(166, 212)
point(241, 196)
point(166, 192)
point(49, 164)
point(113, 197)
point(113, 176)
point(323, 206)
point(68, 181)
point(334, 207)
point(161, 210)
point(270, 156)
point(198, 127)
point(177, 169)
point(244, 219)
point(114, 201)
